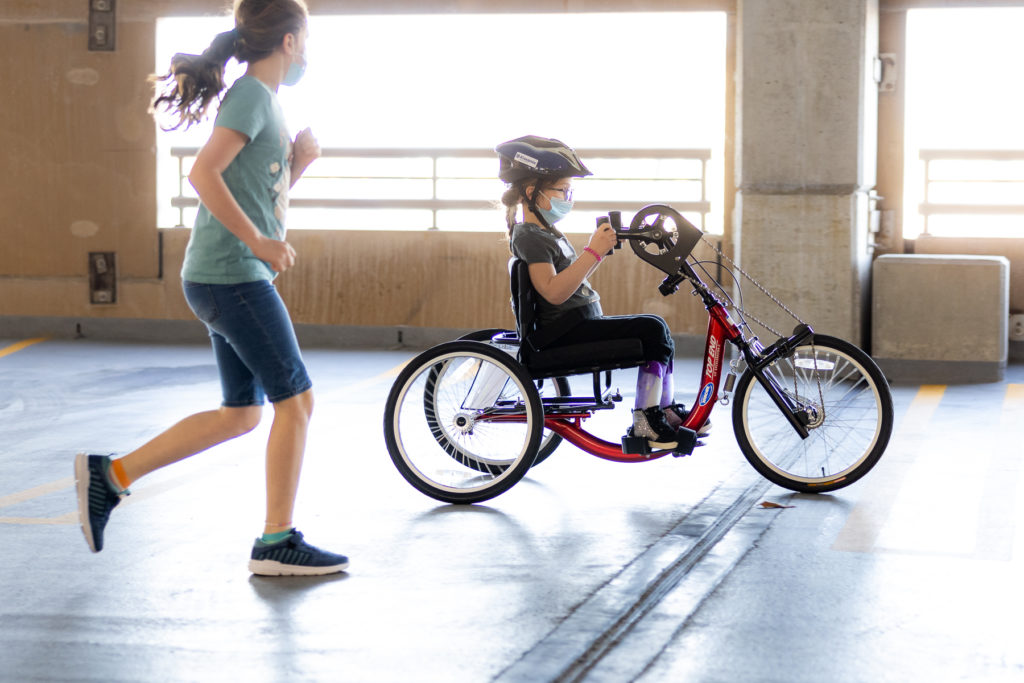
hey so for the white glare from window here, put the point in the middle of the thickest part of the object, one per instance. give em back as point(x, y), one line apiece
point(402, 84)
point(964, 138)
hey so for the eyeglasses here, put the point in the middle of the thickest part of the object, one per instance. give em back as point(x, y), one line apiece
point(566, 192)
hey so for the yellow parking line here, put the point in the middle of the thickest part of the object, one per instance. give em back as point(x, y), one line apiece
point(42, 490)
point(870, 514)
point(66, 518)
point(348, 389)
point(997, 504)
point(14, 348)
point(68, 482)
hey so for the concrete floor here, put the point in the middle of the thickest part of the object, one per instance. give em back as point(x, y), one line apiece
point(586, 570)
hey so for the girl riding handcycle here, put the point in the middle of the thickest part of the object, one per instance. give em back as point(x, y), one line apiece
point(466, 420)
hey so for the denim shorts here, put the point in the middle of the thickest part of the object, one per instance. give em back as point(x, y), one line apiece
point(253, 341)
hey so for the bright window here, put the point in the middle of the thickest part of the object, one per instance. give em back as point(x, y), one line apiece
point(401, 84)
point(964, 138)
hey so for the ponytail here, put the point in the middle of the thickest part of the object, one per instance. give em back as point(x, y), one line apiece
point(194, 80)
point(511, 199)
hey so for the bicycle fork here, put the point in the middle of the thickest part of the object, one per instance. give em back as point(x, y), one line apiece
point(722, 329)
point(760, 365)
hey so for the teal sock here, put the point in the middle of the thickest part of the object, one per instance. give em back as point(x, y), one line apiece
point(275, 538)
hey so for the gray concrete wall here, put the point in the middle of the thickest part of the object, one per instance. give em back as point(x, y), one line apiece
point(806, 157)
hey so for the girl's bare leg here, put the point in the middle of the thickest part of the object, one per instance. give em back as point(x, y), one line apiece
point(285, 450)
point(192, 435)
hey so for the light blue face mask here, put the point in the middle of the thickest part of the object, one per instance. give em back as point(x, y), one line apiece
point(560, 208)
point(295, 72)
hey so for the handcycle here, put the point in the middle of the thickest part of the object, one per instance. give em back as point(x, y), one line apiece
point(465, 420)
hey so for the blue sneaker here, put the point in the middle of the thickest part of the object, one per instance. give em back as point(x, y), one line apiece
point(95, 497)
point(294, 557)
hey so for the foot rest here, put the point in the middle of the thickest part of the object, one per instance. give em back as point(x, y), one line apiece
point(687, 441)
point(638, 445)
point(635, 445)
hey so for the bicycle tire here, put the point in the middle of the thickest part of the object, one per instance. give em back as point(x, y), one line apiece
point(549, 441)
point(847, 437)
point(475, 384)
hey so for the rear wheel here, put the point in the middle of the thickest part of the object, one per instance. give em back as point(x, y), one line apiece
point(463, 422)
point(847, 401)
point(554, 387)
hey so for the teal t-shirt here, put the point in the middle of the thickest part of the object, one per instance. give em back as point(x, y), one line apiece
point(258, 178)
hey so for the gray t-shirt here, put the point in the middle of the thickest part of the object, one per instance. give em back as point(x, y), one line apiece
point(535, 244)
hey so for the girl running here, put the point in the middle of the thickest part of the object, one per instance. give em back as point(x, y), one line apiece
point(237, 248)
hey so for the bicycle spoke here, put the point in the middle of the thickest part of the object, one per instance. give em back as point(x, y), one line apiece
point(844, 412)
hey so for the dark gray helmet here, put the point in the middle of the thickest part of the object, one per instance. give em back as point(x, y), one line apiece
point(535, 157)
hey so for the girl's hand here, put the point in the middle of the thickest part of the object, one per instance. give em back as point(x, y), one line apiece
point(604, 239)
point(305, 150)
point(278, 253)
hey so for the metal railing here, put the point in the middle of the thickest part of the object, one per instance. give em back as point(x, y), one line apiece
point(393, 164)
point(996, 174)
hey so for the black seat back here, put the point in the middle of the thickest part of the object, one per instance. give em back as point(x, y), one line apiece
point(560, 360)
point(524, 298)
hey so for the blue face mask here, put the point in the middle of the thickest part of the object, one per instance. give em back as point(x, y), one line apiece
point(560, 208)
point(295, 72)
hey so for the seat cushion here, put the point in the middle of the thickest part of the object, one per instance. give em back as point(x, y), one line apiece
point(575, 359)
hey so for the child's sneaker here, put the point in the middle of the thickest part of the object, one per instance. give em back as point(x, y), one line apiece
point(676, 415)
point(650, 423)
point(96, 498)
point(294, 557)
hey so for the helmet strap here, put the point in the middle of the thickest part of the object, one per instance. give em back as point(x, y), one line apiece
point(531, 202)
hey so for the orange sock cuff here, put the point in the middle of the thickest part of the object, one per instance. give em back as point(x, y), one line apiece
point(118, 475)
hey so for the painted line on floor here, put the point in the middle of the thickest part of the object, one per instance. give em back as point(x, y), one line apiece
point(865, 522)
point(35, 492)
point(152, 490)
point(997, 506)
point(66, 518)
point(143, 494)
point(367, 383)
point(18, 346)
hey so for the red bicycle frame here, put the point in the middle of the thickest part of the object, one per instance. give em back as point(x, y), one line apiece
point(720, 330)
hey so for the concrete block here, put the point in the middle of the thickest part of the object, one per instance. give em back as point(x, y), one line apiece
point(941, 318)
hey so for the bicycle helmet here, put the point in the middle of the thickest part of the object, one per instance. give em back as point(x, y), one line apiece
point(535, 157)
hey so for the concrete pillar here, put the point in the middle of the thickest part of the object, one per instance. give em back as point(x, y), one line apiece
point(807, 109)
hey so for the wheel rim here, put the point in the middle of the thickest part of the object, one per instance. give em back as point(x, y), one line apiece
point(841, 436)
point(460, 422)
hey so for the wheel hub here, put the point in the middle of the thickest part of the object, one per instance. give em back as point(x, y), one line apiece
point(815, 415)
point(464, 423)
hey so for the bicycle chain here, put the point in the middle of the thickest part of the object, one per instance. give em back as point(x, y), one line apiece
point(766, 326)
point(760, 287)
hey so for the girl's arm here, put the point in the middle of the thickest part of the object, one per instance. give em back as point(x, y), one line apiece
point(305, 150)
point(556, 288)
point(206, 177)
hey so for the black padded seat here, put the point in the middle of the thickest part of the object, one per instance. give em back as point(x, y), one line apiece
point(577, 359)
point(571, 359)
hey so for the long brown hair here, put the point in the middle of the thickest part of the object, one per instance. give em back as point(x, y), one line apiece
point(195, 80)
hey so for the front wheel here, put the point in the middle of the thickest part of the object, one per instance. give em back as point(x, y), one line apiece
point(849, 407)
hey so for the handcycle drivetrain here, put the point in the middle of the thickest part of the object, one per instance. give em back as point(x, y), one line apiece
point(465, 420)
